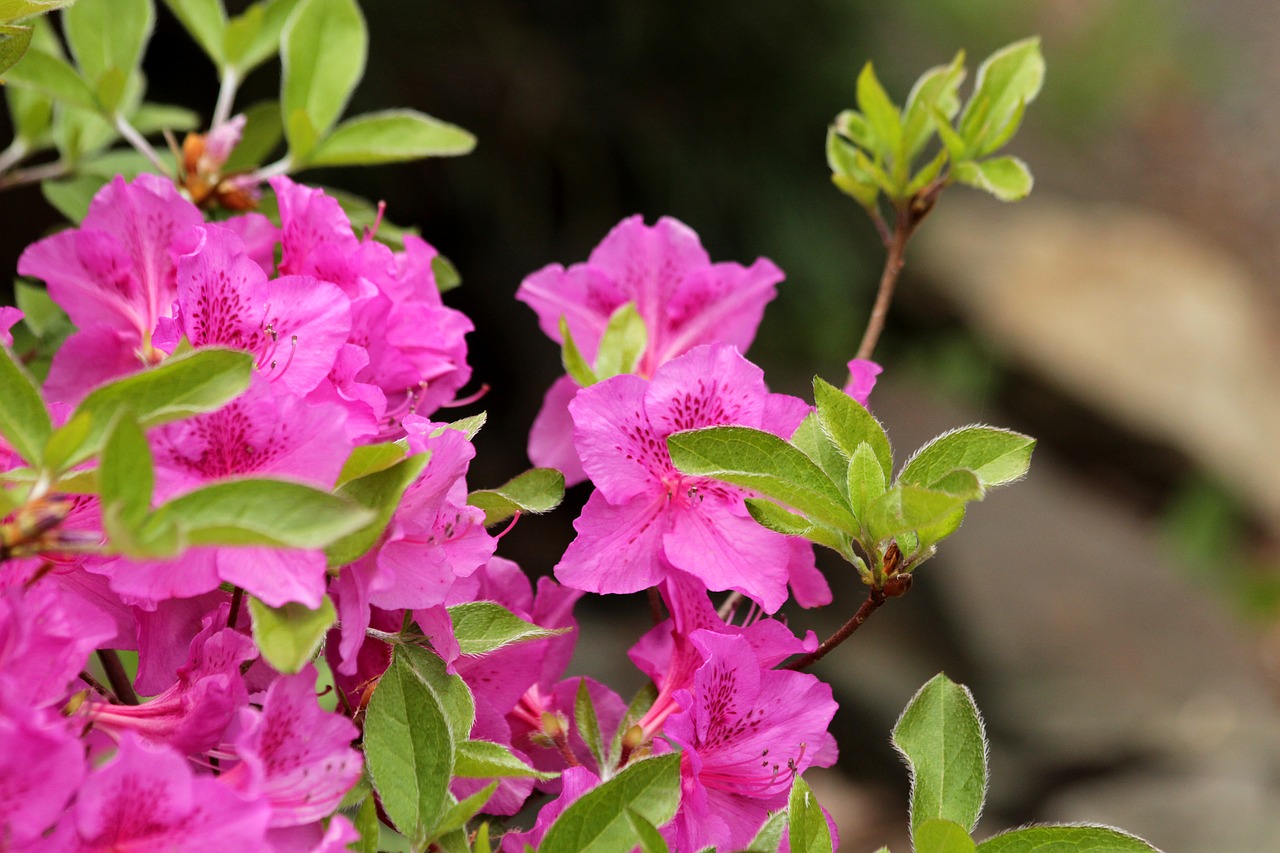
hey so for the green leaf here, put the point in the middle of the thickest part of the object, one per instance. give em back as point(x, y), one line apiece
point(24, 420)
point(71, 197)
point(623, 341)
point(254, 36)
point(588, 723)
point(575, 363)
point(1010, 77)
point(368, 825)
point(52, 76)
point(14, 10)
point(370, 459)
point(814, 442)
point(446, 274)
point(42, 315)
point(481, 844)
point(941, 737)
point(271, 513)
point(848, 423)
point(206, 21)
point(905, 508)
point(290, 636)
point(651, 841)
point(380, 494)
point(1006, 178)
point(809, 831)
point(262, 134)
point(770, 834)
point(769, 515)
point(108, 37)
point(408, 749)
point(1065, 839)
point(597, 821)
point(936, 89)
point(451, 691)
point(391, 136)
point(483, 626)
point(761, 461)
point(882, 116)
point(639, 705)
point(847, 173)
point(853, 126)
point(941, 836)
point(14, 42)
point(482, 759)
point(535, 491)
point(469, 426)
point(866, 480)
point(179, 387)
point(459, 813)
point(995, 456)
point(153, 118)
point(126, 474)
point(323, 50)
point(957, 148)
point(65, 441)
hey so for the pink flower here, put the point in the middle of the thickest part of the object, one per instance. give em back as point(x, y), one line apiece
point(862, 378)
point(297, 756)
point(745, 733)
point(8, 317)
point(683, 298)
point(150, 799)
point(41, 765)
point(46, 636)
point(645, 517)
point(576, 781)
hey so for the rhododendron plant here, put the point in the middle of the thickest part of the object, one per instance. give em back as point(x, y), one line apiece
point(250, 600)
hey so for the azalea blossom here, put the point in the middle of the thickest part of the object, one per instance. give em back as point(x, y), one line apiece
point(862, 378)
point(684, 299)
point(646, 517)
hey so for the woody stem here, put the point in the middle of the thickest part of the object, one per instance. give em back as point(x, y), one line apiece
point(117, 677)
point(875, 598)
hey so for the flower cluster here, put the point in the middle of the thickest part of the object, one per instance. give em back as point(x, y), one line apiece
point(353, 348)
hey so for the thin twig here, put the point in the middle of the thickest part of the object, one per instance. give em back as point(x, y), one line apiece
point(893, 263)
point(226, 97)
point(117, 677)
point(655, 605)
point(136, 139)
point(34, 174)
point(875, 598)
point(236, 598)
point(98, 686)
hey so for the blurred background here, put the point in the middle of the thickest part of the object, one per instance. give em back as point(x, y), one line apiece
point(1117, 615)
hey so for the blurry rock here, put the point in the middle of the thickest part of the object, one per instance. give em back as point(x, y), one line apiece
point(1133, 314)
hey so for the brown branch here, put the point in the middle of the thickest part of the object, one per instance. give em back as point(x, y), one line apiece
point(117, 677)
point(875, 598)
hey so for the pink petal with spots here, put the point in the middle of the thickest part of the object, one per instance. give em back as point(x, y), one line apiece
point(619, 449)
point(259, 237)
point(708, 386)
point(89, 358)
point(721, 303)
point(727, 551)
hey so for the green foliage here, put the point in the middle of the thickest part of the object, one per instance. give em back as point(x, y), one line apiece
point(598, 821)
point(535, 491)
point(206, 20)
point(481, 759)
point(588, 723)
point(484, 626)
point(1065, 839)
point(380, 492)
point(409, 749)
point(651, 841)
point(391, 136)
point(770, 834)
point(938, 835)
point(808, 825)
point(290, 636)
point(24, 421)
point(941, 736)
point(107, 40)
point(462, 811)
point(995, 456)
point(323, 49)
point(624, 339)
point(126, 474)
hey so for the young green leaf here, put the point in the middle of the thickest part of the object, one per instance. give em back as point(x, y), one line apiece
point(1006, 178)
point(937, 835)
point(639, 705)
point(761, 461)
point(597, 821)
point(995, 456)
point(624, 339)
point(768, 514)
point(575, 363)
point(24, 420)
point(905, 508)
point(936, 89)
point(206, 21)
point(179, 387)
point(272, 513)
point(588, 723)
point(290, 636)
point(535, 491)
point(813, 442)
point(482, 759)
point(370, 459)
point(154, 118)
point(452, 692)
point(380, 493)
point(391, 136)
point(940, 736)
point(253, 37)
point(446, 274)
point(323, 51)
point(848, 423)
point(1069, 839)
point(1010, 77)
point(15, 10)
point(126, 474)
point(651, 841)
point(107, 39)
point(882, 116)
point(71, 197)
point(809, 832)
point(408, 749)
point(462, 811)
point(368, 825)
point(51, 76)
point(263, 132)
point(866, 481)
point(14, 42)
point(483, 626)
point(770, 834)
point(847, 173)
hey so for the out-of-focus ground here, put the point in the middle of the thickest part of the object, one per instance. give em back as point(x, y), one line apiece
point(1117, 614)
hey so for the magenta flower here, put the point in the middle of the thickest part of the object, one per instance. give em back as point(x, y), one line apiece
point(296, 756)
point(745, 733)
point(46, 636)
point(150, 799)
point(684, 299)
point(645, 517)
point(8, 317)
point(576, 781)
point(192, 714)
point(41, 765)
point(862, 378)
